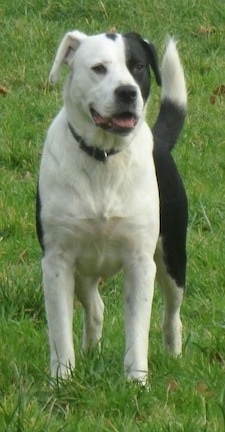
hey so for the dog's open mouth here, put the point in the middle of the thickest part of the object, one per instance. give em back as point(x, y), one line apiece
point(122, 123)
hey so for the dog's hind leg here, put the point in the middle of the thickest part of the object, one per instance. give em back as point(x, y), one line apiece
point(172, 299)
point(58, 281)
point(88, 294)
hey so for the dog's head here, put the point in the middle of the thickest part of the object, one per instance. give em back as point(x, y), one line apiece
point(109, 82)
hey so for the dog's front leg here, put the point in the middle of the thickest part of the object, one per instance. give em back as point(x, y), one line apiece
point(58, 281)
point(139, 288)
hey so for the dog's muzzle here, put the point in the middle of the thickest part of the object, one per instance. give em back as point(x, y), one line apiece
point(125, 118)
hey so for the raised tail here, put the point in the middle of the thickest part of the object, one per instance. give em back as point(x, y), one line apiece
point(172, 112)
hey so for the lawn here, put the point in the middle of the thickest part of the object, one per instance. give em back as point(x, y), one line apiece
point(186, 394)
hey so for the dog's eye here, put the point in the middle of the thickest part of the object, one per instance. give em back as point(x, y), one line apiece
point(138, 67)
point(99, 69)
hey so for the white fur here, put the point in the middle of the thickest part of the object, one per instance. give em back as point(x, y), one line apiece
point(173, 81)
point(172, 296)
point(98, 218)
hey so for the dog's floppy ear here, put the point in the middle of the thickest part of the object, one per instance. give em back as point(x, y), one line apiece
point(65, 53)
point(153, 60)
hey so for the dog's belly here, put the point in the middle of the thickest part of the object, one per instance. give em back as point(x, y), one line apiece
point(99, 248)
point(98, 261)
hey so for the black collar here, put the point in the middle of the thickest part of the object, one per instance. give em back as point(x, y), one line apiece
point(96, 153)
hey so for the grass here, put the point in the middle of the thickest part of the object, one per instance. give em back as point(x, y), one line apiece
point(186, 394)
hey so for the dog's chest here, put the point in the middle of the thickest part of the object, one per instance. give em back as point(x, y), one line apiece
point(101, 219)
point(96, 235)
point(99, 213)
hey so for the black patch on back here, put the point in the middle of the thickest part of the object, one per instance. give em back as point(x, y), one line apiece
point(140, 56)
point(173, 200)
point(173, 215)
point(39, 228)
point(169, 124)
point(112, 36)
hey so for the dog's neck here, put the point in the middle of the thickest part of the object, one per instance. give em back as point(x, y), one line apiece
point(97, 153)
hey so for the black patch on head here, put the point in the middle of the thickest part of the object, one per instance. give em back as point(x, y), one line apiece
point(140, 56)
point(112, 36)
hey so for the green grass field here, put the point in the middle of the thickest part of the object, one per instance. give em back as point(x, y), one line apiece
point(186, 394)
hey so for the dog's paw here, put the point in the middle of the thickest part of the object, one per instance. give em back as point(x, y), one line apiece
point(141, 384)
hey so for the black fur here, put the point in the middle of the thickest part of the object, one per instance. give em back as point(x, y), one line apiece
point(39, 228)
point(112, 36)
point(140, 56)
point(173, 200)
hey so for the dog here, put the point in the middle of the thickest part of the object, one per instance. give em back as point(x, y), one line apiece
point(110, 197)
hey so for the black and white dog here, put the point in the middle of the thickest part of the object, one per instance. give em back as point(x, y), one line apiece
point(110, 196)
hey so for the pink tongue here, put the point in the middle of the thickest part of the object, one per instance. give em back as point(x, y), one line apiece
point(124, 122)
point(121, 122)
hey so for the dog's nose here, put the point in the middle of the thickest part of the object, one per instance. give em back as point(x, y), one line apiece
point(126, 93)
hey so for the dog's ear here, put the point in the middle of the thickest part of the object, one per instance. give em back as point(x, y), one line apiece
point(153, 60)
point(65, 53)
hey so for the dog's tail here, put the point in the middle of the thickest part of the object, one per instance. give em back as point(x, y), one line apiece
point(172, 112)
